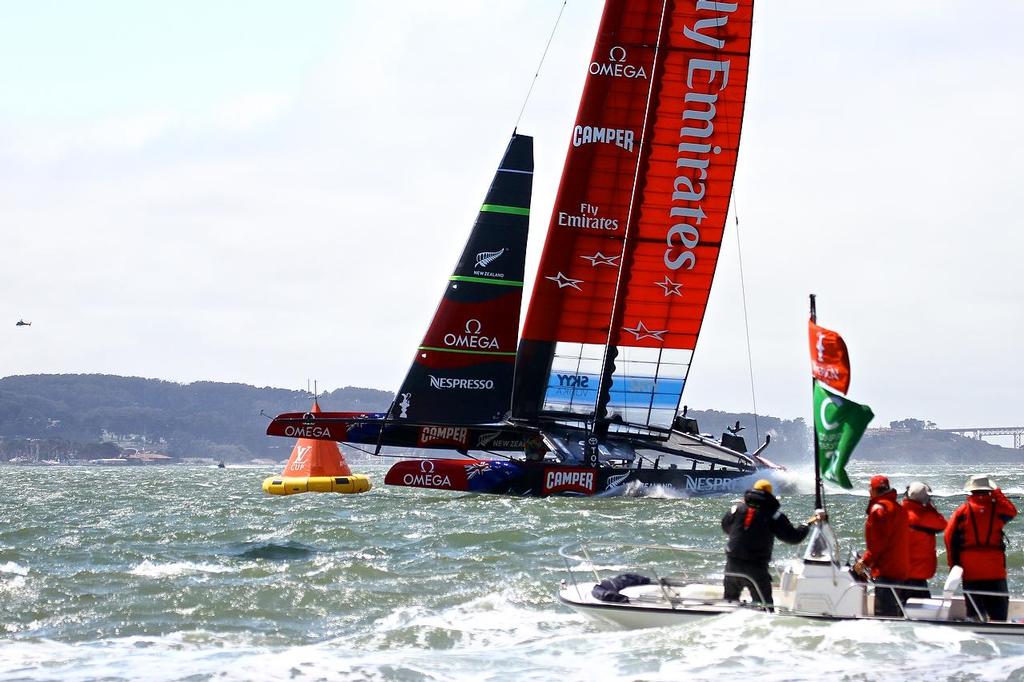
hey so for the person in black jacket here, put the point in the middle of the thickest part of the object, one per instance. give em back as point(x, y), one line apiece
point(752, 526)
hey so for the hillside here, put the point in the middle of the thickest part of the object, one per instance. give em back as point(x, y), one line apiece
point(927, 446)
point(74, 413)
point(88, 416)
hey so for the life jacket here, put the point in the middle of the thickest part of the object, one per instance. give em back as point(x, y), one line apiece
point(974, 536)
point(924, 523)
point(885, 534)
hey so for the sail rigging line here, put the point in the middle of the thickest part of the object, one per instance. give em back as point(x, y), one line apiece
point(543, 56)
point(384, 423)
point(746, 322)
point(362, 450)
point(604, 379)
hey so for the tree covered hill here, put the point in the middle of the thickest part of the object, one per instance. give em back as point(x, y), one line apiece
point(76, 416)
point(916, 445)
point(201, 419)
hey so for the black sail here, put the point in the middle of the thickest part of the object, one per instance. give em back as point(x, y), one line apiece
point(462, 372)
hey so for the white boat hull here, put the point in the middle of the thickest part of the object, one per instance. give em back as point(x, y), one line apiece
point(639, 615)
point(646, 608)
point(813, 588)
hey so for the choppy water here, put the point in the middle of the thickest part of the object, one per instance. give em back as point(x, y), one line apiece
point(174, 573)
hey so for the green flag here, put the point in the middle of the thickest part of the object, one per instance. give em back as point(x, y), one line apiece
point(838, 425)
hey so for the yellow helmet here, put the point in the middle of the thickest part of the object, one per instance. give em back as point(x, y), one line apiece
point(764, 485)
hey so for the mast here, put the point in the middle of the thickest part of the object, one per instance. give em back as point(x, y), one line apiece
point(819, 501)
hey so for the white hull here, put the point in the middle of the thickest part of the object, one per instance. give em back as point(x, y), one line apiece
point(814, 588)
point(637, 614)
point(648, 609)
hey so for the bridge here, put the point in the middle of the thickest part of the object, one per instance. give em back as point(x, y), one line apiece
point(979, 433)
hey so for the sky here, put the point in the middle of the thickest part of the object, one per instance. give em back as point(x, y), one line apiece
point(270, 193)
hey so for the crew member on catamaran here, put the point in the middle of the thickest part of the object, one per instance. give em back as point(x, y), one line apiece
point(887, 554)
point(925, 522)
point(752, 526)
point(974, 540)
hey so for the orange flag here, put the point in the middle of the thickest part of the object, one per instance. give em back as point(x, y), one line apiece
point(830, 361)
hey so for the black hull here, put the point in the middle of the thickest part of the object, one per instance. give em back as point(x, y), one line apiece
point(542, 479)
point(676, 463)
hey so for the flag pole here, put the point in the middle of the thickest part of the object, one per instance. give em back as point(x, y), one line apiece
point(819, 501)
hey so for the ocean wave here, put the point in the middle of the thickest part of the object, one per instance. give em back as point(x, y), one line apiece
point(416, 585)
point(772, 649)
point(12, 568)
point(276, 551)
point(149, 569)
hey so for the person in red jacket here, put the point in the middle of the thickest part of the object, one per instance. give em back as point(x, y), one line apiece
point(925, 522)
point(885, 533)
point(974, 541)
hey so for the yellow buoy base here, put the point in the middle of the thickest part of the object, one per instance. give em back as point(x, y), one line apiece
point(281, 485)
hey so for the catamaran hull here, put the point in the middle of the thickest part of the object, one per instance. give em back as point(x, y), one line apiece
point(689, 466)
point(539, 479)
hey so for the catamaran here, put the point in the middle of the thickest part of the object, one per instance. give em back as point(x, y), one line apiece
point(587, 400)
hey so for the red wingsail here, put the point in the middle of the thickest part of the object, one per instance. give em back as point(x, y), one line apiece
point(575, 285)
point(640, 213)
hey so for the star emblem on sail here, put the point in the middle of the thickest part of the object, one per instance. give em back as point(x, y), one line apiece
point(641, 332)
point(670, 287)
point(562, 281)
point(600, 259)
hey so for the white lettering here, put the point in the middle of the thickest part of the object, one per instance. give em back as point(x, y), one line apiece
point(427, 480)
point(587, 134)
point(305, 431)
point(472, 338)
point(693, 153)
point(463, 341)
point(616, 66)
point(587, 222)
point(430, 434)
point(442, 383)
point(300, 457)
point(564, 479)
point(711, 484)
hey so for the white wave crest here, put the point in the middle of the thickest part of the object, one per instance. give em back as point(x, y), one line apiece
point(14, 569)
point(148, 569)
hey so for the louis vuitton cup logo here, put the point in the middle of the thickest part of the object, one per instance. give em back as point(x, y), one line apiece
point(302, 451)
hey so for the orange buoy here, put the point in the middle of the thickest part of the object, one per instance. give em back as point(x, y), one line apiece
point(316, 466)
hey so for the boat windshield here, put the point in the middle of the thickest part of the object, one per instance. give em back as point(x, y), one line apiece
point(822, 545)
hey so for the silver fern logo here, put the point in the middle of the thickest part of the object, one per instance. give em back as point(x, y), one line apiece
point(485, 258)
